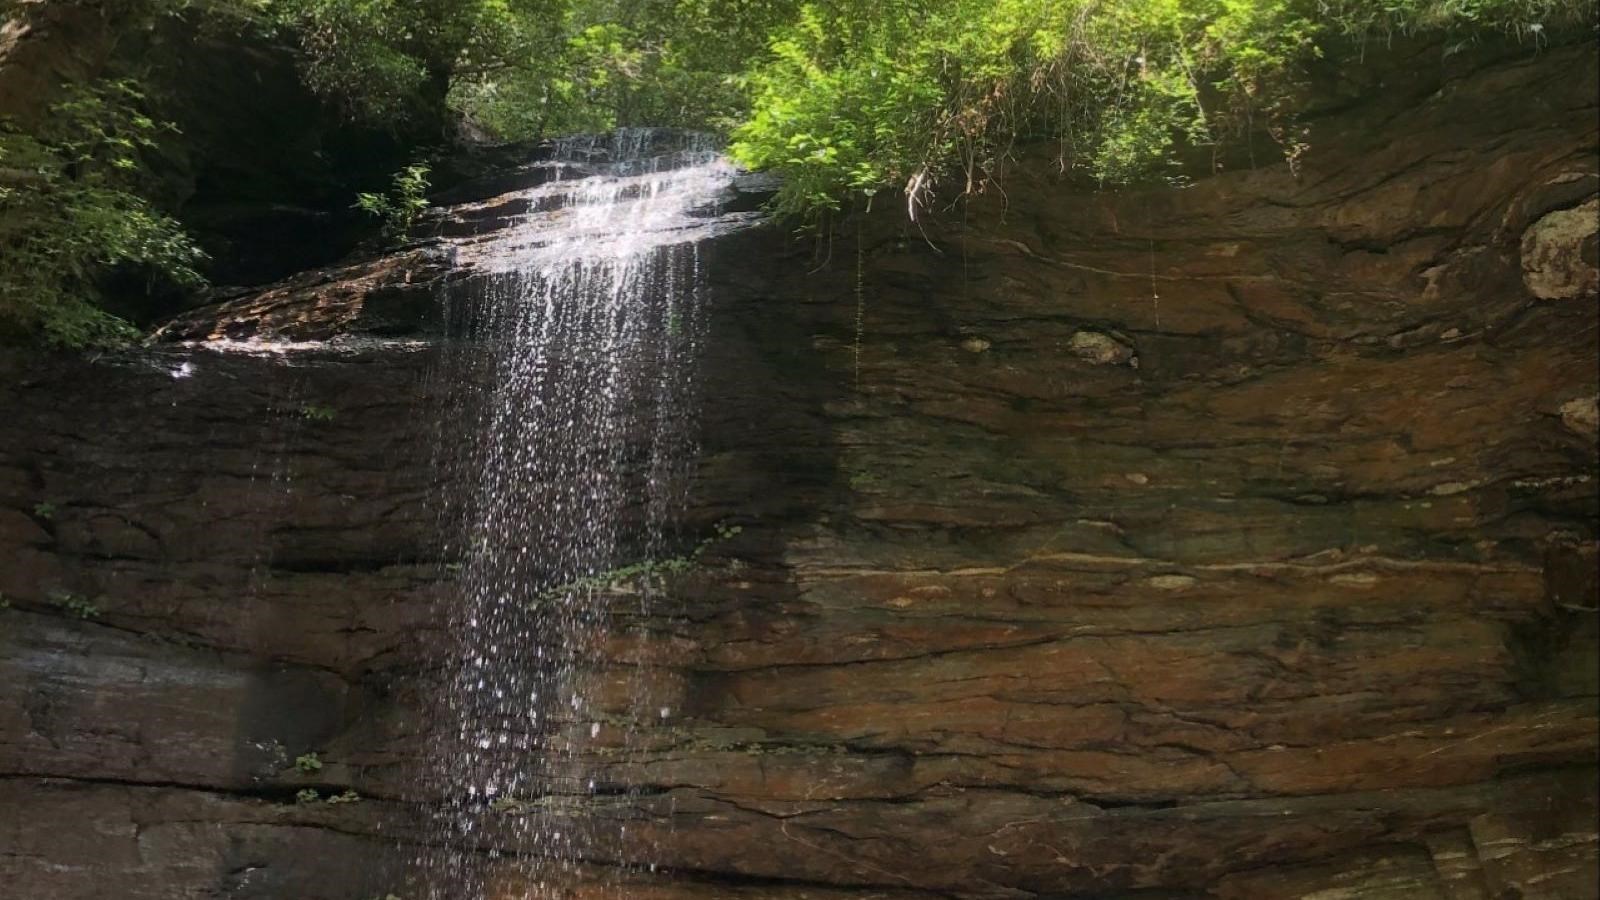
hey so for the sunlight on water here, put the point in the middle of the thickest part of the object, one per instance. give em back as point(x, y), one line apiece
point(604, 210)
point(575, 460)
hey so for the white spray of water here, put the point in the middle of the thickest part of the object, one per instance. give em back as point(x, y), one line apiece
point(576, 461)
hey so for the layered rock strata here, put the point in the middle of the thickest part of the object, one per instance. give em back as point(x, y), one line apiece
point(1231, 541)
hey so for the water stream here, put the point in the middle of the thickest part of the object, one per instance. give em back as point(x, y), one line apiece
point(574, 460)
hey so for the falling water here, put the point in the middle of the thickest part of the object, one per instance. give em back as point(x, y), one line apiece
point(576, 459)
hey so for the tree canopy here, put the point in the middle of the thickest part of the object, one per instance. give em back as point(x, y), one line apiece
point(844, 99)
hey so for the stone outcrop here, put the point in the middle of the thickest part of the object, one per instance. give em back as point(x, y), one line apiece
point(1233, 541)
point(1559, 253)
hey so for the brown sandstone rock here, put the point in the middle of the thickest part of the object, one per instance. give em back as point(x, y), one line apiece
point(1559, 256)
point(1303, 603)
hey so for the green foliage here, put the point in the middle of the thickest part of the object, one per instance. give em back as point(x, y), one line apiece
point(918, 93)
point(513, 68)
point(670, 63)
point(72, 603)
point(45, 510)
point(308, 763)
point(511, 806)
point(673, 62)
point(646, 574)
point(389, 60)
point(398, 209)
point(559, 803)
point(71, 210)
point(1380, 18)
point(842, 98)
point(866, 482)
point(308, 796)
point(315, 413)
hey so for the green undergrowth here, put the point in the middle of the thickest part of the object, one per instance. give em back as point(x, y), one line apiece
point(79, 606)
point(73, 207)
point(931, 96)
point(397, 209)
point(922, 101)
point(556, 804)
point(309, 796)
point(644, 575)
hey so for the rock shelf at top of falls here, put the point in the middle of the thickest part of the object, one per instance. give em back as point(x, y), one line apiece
point(497, 225)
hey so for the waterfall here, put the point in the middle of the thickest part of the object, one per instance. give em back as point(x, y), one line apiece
point(574, 458)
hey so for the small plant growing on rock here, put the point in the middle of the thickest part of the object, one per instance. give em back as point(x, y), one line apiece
point(398, 209)
point(511, 806)
point(308, 796)
point(865, 481)
point(647, 573)
point(81, 607)
point(308, 763)
point(45, 510)
point(315, 413)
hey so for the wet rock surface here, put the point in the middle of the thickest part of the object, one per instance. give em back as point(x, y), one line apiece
point(1236, 541)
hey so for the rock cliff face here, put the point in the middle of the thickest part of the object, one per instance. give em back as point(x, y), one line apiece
point(1231, 541)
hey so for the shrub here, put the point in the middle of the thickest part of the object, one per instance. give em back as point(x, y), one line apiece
point(71, 211)
point(911, 93)
point(398, 209)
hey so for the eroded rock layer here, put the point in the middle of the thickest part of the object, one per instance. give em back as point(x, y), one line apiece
point(1230, 541)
